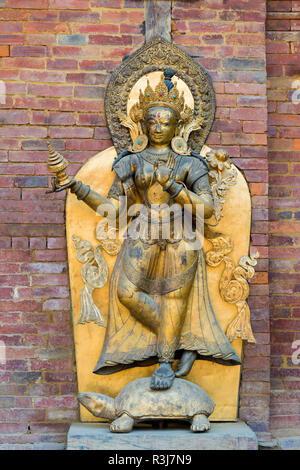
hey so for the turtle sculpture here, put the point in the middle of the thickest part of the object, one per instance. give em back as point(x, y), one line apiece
point(137, 402)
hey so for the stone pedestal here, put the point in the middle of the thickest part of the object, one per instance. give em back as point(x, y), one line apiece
point(222, 436)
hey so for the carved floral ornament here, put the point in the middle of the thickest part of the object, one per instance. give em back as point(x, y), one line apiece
point(197, 118)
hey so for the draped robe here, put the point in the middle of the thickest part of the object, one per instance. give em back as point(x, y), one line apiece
point(159, 268)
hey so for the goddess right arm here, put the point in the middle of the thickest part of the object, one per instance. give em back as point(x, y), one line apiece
point(92, 198)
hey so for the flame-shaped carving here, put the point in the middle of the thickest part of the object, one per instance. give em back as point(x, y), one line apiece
point(233, 285)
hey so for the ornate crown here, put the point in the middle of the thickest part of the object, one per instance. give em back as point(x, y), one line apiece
point(165, 94)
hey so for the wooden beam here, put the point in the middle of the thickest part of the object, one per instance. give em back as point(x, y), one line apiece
point(158, 19)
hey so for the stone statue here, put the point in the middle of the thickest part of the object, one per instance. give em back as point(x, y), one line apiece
point(160, 308)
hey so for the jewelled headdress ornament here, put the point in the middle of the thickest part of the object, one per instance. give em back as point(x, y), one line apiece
point(165, 94)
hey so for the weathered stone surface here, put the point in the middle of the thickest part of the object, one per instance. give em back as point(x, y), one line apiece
point(222, 436)
point(289, 443)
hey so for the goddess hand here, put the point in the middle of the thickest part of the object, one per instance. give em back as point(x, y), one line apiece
point(163, 175)
point(56, 188)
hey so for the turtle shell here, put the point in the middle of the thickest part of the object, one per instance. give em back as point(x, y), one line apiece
point(182, 401)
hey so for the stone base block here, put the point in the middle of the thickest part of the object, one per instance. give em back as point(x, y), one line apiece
point(222, 436)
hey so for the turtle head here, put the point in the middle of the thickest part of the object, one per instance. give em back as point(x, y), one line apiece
point(99, 405)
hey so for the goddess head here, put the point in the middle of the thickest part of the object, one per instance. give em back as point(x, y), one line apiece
point(160, 115)
point(160, 125)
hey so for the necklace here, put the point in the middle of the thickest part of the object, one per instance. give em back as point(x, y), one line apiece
point(155, 159)
point(156, 154)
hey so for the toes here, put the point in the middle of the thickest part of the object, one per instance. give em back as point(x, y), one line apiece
point(161, 383)
point(200, 428)
point(200, 424)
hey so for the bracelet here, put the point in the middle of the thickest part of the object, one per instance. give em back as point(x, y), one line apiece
point(169, 185)
point(81, 190)
point(173, 188)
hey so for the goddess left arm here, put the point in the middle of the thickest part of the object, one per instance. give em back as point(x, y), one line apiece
point(198, 195)
point(198, 192)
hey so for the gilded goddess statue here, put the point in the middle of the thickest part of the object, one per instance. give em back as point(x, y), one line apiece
point(159, 303)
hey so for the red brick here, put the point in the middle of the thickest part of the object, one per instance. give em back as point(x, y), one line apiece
point(211, 27)
point(52, 118)
point(12, 428)
point(213, 38)
point(47, 255)
point(32, 4)
point(61, 340)
point(59, 376)
point(92, 65)
point(254, 414)
point(247, 114)
point(4, 51)
point(41, 39)
point(52, 365)
point(193, 13)
point(55, 402)
point(254, 127)
point(28, 51)
point(36, 103)
point(106, 40)
point(13, 117)
point(245, 88)
point(44, 15)
point(226, 100)
point(245, 39)
point(54, 243)
point(12, 39)
point(251, 100)
point(50, 90)
point(41, 76)
point(47, 280)
point(97, 28)
point(245, 51)
point(62, 64)
point(278, 25)
point(69, 4)
point(123, 16)
point(45, 27)
point(79, 16)
point(24, 62)
point(20, 243)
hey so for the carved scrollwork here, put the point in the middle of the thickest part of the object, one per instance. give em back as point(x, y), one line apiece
point(107, 237)
point(233, 284)
point(190, 126)
point(222, 175)
point(94, 273)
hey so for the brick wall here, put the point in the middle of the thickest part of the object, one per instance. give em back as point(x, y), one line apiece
point(228, 38)
point(56, 59)
point(283, 58)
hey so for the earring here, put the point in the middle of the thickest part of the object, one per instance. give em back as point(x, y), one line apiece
point(140, 143)
point(179, 145)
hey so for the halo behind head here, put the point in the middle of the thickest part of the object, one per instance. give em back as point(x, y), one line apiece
point(157, 57)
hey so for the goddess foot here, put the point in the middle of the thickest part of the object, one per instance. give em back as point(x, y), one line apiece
point(186, 363)
point(163, 377)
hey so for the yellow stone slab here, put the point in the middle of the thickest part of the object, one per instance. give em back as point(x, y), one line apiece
point(220, 382)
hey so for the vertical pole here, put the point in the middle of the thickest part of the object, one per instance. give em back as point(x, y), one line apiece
point(158, 19)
